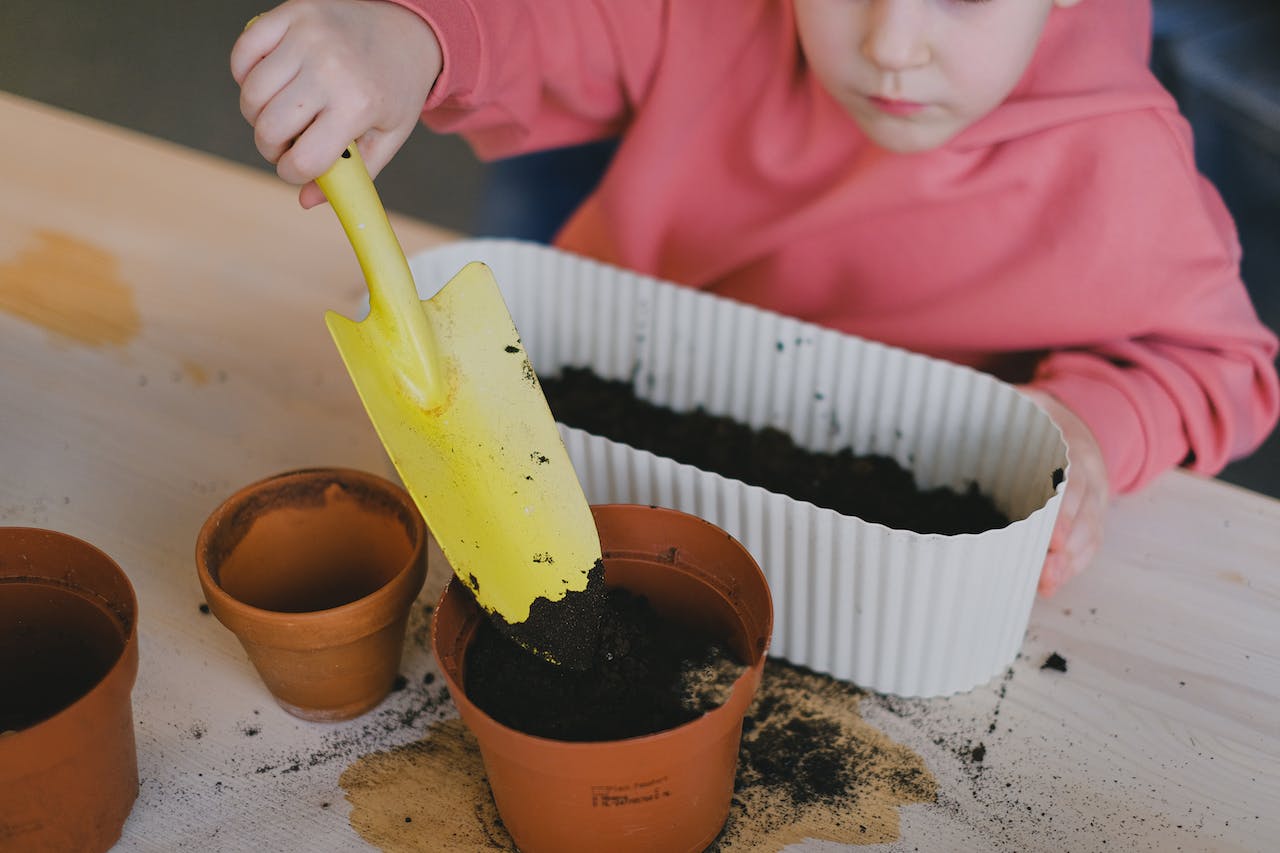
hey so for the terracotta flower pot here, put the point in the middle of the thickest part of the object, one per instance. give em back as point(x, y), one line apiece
point(668, 791)
point(68, 661)
point(314, 571)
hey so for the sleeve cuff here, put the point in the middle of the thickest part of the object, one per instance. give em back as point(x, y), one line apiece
point(458, 32)
point(1112, 418)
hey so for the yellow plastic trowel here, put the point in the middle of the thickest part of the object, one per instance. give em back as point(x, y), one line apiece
point(450, 390)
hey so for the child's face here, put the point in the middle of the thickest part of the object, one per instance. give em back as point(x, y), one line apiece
point(914, 73)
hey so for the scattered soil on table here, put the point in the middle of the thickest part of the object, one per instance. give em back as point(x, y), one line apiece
point(439, 782)
point(648, 675)
point(1055, 661)
point(870, 487)
point(809, 767)
point(401, 716)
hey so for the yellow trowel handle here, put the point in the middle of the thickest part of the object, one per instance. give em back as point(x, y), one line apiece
point(394, 306)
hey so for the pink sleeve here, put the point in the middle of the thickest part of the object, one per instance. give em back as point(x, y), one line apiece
point(1197, 386)
point(1224, 396)
point(523, 75)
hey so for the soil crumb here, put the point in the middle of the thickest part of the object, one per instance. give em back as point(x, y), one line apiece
point(809, 767)
point(1055, 661)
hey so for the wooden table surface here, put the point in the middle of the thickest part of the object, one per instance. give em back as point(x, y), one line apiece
point(162, 344)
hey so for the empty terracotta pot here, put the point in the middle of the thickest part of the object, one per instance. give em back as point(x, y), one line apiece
point(668, 791)
point(68, 662)
point(314, 571)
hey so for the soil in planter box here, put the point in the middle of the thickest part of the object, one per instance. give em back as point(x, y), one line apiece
point(649, 675)
point(871, 487)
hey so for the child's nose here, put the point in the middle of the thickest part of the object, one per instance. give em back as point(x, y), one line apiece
point(895, 38)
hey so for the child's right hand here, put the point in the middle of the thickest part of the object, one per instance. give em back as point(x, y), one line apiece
point(316, 74)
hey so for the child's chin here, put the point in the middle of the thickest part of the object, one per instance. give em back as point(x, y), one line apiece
point(907, 137)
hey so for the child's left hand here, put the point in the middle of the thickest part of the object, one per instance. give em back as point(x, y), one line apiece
point(1078, 531)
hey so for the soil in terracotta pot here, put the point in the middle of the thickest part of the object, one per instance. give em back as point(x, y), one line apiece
point(649, 674)
point(871, 487)
point(55, 645)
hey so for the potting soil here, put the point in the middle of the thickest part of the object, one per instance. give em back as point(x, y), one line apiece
point(648, 675)
point(871, 487)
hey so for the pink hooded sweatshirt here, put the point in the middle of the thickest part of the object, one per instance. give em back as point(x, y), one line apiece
point(1066, 239)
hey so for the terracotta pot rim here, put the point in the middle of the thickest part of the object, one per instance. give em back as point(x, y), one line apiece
point(404, 584)
point(123, 672)
point(740, 696)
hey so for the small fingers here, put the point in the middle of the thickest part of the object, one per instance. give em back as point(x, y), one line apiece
point(1077, 544)
point(1072, 501)
point(376, 150)
point(1052, 574)
point(285, 118)
point(377, 147)
point(323, 140)
point(314, 151)
point(268, 79)
point(261, 36)
point(1083, 543)
point(1061, 531)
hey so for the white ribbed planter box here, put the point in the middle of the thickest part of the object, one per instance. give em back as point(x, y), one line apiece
point(890, 610)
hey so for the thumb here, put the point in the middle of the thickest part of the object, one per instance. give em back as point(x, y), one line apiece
point(311, 196)
point(376, 150)
point(377, 147)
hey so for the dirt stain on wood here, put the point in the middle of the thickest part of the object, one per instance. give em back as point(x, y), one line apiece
point(428, 795)
point(196, 373)
point(809, 767)
point(70, 288)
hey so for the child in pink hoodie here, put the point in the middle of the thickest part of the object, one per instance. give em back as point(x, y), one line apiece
point(1001, 183)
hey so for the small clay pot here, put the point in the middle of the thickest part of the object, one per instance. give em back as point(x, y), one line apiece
point(314, 571)
point(668, 791)
point(68, 662)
